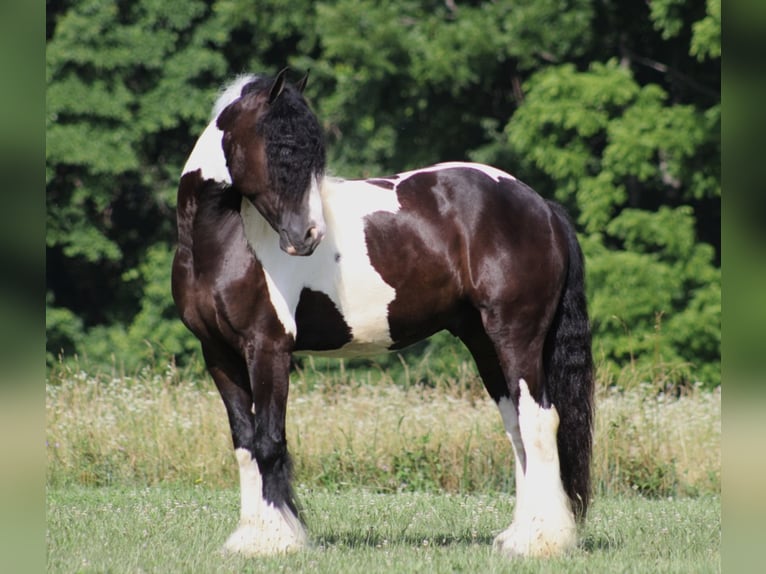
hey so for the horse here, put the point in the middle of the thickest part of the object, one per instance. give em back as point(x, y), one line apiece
point(275, 257)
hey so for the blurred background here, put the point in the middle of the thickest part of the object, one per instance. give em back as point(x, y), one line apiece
point(611, 108)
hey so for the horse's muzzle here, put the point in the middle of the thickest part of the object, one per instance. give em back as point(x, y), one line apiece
point(306, 246)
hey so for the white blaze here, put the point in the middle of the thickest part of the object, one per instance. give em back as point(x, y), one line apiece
point(316, 209)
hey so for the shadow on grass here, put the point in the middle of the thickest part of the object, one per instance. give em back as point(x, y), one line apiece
point(589, 544)
point(600, 542)
point(373, 539)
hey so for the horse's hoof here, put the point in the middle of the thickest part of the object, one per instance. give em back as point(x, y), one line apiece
point(250, 540)
point(534, 542)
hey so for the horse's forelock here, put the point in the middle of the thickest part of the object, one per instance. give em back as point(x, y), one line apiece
point(295, 151)
point(294, 144)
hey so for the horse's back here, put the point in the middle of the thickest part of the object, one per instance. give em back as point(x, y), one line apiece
point(458, 226)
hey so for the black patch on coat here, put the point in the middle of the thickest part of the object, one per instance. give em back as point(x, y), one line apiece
point(321, 327)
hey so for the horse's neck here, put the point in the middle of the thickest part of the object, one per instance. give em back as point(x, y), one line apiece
point(345, 204)
point(207, 156)
point(257, 230)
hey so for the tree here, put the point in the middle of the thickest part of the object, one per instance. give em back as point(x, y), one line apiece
point(611, 108)
point(127, 85)
point(633, 166)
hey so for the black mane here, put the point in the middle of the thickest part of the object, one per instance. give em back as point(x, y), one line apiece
point(295, 148)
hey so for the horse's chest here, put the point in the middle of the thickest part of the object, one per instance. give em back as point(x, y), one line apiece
point(334, 302)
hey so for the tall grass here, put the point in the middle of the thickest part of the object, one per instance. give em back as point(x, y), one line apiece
point(361, 428)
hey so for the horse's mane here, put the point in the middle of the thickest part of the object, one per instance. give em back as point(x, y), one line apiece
point(231, 92)
point(295, 149)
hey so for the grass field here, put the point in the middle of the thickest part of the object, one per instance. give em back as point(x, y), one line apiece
point(393, 477)
point(347, 432)
point(181, 529)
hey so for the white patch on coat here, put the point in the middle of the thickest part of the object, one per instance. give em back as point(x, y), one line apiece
point(208, 157)
point(265, 244)
point(488, 170)
point(207, 154)
point(340, 266)
point(263, 529)
point(543, 522)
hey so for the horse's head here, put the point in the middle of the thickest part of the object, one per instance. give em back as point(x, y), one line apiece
point(275, 154)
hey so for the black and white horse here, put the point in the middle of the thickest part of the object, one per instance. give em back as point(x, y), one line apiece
point(386, 262)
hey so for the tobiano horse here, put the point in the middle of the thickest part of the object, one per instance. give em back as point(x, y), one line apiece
point(275, 257)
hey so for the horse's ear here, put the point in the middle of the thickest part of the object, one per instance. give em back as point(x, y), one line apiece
point(226, 118)
point(301, 85)
point(278, 85)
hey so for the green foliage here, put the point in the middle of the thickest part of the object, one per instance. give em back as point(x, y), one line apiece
point(62, 328)
point(157, 322)
point(612, 109)
point(671, 17)
point(121, 103)
point(667, 16)
point(706, 38)
point(155, 332)
point(653, 289)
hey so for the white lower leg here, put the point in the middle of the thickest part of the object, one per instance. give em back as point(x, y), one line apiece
point(543, 522)
point(263, 527)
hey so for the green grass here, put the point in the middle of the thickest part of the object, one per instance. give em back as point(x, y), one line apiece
point(181, 529)
point(393, 477)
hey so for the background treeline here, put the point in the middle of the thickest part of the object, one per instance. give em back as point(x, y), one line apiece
point(612, 108)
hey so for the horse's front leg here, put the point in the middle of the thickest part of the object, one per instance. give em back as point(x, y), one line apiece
point(269, 522)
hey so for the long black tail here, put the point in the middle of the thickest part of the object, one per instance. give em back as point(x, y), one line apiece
point(569, 375)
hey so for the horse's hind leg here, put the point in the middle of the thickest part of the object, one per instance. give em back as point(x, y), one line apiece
point(483, 351)
point(263, 528)
point(543, 521)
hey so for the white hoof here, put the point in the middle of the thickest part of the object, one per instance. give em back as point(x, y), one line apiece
point(267, 539)
point(506, 543)
point(535, 540)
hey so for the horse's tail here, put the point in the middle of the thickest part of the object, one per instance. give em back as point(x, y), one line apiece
point(569, 375)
